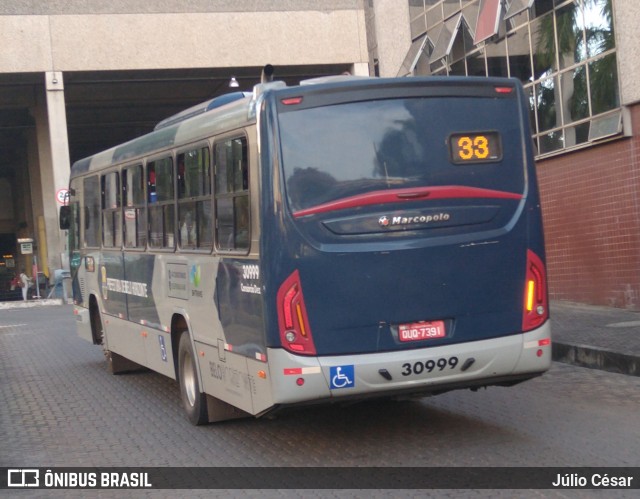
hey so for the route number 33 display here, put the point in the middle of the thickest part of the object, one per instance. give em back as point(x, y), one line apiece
point(481, 147)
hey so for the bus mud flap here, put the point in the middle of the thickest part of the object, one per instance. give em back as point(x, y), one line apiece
point(117, 364)
point(218, 410)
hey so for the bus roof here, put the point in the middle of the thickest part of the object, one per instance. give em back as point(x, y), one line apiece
point(188, 126)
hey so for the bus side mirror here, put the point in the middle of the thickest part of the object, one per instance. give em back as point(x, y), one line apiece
point(65, 217)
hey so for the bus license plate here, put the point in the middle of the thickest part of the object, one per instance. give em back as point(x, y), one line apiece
point(418, 331)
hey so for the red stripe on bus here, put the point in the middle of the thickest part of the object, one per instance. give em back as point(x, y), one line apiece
point(407, 194)
point(293, 370)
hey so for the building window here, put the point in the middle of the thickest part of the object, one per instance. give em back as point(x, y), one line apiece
point(563, 52)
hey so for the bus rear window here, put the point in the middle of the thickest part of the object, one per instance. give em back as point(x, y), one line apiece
point(337, 151)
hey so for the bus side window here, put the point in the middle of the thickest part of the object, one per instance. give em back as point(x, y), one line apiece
point(194, 199)
point(111, 214)
point(232, 195)
point(151, 182)
point(135, 219)
point(161, 203)
point(91, 208)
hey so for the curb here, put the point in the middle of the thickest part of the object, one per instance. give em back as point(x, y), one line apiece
point(596, 358)
point(30, 303)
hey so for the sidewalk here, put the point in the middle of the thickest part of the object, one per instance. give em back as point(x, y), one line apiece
point(30, 303)
point(583, 335)
point(596, 337)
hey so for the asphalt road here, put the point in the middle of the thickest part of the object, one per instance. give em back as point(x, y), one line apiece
point(59, 407)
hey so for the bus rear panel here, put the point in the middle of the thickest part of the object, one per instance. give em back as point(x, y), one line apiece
point(402, 244)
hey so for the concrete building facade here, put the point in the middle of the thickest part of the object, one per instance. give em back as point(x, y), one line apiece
point(80, 76)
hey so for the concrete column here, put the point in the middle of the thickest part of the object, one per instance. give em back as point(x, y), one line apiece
point(626, 14)
point(29, 198)
point(393, 33)
point(360, 69)
point(53, 153)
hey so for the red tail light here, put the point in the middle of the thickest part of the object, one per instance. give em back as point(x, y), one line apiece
point(295, 333)
point(292, 101)
point(536, 306)
point(504, 90)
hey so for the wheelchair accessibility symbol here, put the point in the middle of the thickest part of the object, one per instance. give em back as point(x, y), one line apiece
point(342, 377)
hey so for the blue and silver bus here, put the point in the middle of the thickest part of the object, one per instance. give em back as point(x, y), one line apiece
point(340, 239)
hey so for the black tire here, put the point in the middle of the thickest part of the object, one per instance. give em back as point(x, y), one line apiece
point(97, 329)
point(193, 400)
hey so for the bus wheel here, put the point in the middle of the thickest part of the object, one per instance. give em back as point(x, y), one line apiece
point(97, 329)
point(193, 400)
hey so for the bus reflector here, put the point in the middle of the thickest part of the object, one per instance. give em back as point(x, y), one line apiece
point(293, 322)
point(303, 331)
point(545, 342)
point(536, 306)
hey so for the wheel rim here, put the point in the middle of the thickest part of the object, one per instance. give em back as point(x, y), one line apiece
point(189, 379)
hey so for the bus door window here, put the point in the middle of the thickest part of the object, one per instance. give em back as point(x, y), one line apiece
point(91, 208)
point(161, 203)
point(74, 227)
point(232, 195)
point(135, 227)
point(194, 199)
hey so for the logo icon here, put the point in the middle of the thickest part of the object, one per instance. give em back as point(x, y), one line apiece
point(163, 348)
point(195, 276)
point(103, 274)
point(342, 377)
point(414, 218)
point(23, 478)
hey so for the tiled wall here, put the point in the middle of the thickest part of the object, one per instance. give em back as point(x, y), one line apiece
point(591, 207)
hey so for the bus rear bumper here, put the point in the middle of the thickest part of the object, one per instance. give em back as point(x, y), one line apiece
point(498, 361)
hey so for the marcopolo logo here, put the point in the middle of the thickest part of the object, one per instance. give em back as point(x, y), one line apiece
point(401, 220)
